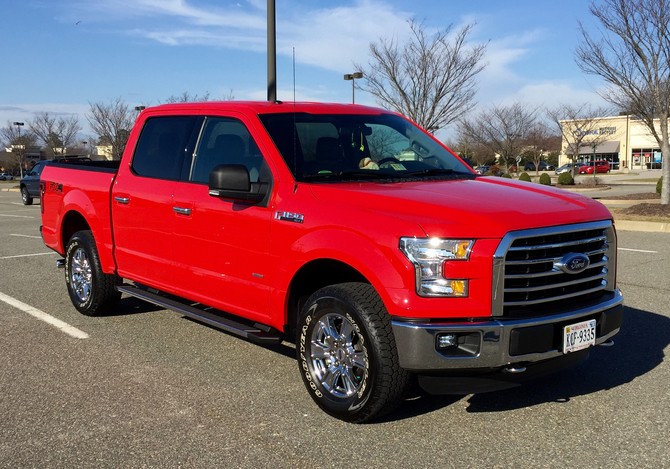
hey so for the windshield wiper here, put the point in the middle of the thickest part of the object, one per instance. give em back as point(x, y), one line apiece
point(348, 175)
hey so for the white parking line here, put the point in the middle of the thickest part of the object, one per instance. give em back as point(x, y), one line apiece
point(28, 255)
point(14, 216)
point(25, 236)
point(637, 250)
point(42, 316)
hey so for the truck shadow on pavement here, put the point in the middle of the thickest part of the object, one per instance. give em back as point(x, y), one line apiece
point(638, 348)
point(129, 306)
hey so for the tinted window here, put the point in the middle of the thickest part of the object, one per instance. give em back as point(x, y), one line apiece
point(164, 147)
point(344, 147)
point(37, 170)
point(227, 141)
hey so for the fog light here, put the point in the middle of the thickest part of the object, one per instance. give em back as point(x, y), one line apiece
point(459, 287)
point(446, 341)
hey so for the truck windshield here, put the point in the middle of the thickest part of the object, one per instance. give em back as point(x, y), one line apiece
point(344, 147)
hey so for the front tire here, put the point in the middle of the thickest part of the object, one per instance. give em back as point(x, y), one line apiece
point(347, 354)
point(25, 196)
point(91, 291)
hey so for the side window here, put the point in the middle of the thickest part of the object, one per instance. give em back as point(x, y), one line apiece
point(227, 141)
point(163, 147)
point(37, 170)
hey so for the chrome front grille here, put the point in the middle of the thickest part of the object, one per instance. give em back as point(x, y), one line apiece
point(528, 274)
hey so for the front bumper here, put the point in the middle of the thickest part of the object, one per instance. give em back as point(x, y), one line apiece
point(496, 344)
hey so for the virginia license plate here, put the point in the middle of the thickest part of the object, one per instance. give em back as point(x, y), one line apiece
point(579, 336)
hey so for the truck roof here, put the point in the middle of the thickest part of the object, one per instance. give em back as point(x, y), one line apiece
point(267, 107)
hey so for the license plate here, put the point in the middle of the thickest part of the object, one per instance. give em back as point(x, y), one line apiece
point(579, 336)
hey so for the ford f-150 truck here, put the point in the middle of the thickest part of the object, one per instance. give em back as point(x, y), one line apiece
point(348, 230)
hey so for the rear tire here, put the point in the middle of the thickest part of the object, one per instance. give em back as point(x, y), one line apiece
point(91, 291)
point(347, 354)
point(25, 196)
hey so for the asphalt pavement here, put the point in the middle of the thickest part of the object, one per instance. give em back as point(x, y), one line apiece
point(145, 387)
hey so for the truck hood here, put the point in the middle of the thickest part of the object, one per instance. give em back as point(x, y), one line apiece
point(485, 207)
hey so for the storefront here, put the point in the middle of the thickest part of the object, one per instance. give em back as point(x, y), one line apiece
point(621, 140)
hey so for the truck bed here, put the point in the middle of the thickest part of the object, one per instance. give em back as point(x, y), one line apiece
point(67, 187)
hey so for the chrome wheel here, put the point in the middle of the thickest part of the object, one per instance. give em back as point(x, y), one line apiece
point(337, 355)
point(81, 275)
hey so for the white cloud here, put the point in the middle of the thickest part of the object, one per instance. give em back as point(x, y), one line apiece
point(334, 38)
point(329, 38)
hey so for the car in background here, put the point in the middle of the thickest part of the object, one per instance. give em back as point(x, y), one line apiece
point(544, 166)
point(30, 183)
point(482, 169)
point(6, 177)
point(567, 167)
point(601, 166)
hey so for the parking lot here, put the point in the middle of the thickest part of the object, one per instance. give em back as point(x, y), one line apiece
point(148, 388)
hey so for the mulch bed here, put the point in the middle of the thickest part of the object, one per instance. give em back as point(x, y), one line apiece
point(652, 210)
point(647, 210)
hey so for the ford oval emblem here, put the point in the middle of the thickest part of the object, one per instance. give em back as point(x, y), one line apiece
point(573, 263)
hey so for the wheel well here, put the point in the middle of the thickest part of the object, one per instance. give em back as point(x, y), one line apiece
point(313, 276)
point(72, 223)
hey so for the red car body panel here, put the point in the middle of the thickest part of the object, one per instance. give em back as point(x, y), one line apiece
point(600, 167)
point(244, 260)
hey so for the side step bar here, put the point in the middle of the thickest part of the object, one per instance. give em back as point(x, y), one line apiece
point(257, 333)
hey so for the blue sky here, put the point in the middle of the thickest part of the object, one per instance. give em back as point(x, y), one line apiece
point(60, 55)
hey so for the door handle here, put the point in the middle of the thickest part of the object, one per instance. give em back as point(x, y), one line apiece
point(181, 210)
point(122, 200)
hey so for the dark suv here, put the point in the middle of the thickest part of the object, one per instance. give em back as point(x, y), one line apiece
point(544, 166)
point(30, 184)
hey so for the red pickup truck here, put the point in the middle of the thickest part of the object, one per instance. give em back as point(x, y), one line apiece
point(348, 230)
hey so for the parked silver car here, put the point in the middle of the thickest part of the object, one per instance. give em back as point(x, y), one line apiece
point(567, 167)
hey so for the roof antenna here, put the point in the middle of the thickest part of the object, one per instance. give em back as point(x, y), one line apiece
point(294, 79)
point(295, 129)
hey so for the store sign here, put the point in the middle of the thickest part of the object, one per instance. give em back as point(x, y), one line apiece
point(601, 131)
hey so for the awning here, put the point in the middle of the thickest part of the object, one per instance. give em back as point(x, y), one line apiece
point(611, 146)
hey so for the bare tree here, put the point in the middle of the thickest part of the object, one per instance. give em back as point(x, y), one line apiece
point(632, 54)
point(55, 133)
point(431, 79)
point(112, 122)
point(579, 125)
point(472, 151)
point(504, 130)
point(186, 97)
point(19, 142)
point(539, 141)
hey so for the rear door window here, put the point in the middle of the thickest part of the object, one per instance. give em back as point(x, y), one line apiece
point(165, 147)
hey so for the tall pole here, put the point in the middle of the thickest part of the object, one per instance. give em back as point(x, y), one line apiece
point(22, 151)
point(352, 77)
point(272, 53)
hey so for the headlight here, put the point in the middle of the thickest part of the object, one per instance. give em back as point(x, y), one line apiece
point(428, 256)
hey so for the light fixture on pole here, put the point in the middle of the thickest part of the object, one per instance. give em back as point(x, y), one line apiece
point(353, 77)
point(18, 127)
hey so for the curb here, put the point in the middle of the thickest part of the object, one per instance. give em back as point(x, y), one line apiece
point(619, 202)
point(646, 226)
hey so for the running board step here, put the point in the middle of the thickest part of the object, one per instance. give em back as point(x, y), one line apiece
point(257, 333)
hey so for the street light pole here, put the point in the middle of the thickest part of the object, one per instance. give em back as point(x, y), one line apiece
point(353, 77)
point(21, 150)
